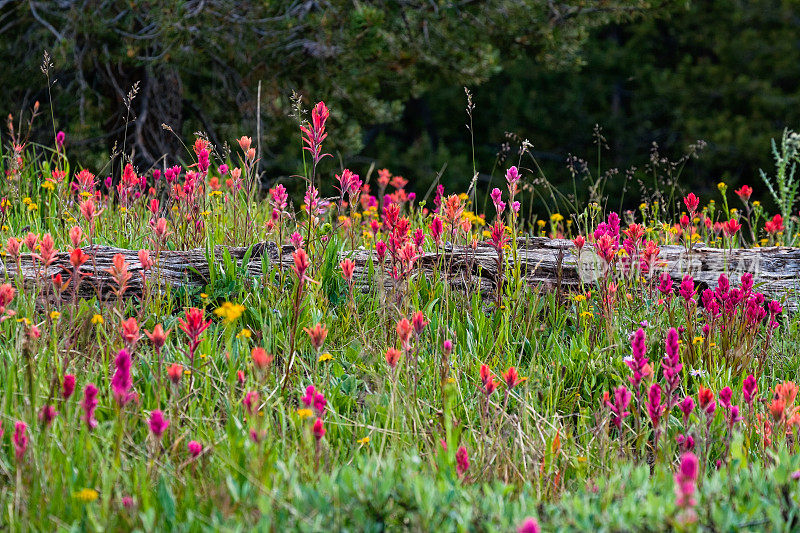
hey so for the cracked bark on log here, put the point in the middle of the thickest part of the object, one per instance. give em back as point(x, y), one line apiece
point(545, 262)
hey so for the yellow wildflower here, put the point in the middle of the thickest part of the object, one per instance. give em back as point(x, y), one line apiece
point(97, 319)
point(325, 357)
point(230, 312)
point(245, 333)
point(55, 315)
point(364, 441)
point(86, 495)
point(304, 413)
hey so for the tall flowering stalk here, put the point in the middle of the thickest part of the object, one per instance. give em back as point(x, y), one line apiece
point(640, 366)
point(300, 268)
point(685, 486)
point(672, 367)
point(193, 325)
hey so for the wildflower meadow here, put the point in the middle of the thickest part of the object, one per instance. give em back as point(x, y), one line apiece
point(187, 349)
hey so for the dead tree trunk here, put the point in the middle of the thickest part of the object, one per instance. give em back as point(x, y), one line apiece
point(544, 262)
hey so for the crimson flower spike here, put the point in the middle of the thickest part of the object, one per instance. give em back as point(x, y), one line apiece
point(314, 133)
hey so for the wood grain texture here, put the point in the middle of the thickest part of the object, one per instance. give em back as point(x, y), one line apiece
point(548, 263)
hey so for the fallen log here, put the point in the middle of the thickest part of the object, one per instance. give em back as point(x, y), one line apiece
point(549, 263)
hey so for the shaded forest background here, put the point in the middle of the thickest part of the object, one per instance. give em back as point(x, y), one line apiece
point(393, 74)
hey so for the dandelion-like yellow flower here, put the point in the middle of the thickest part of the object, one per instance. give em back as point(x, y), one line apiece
point(697, 340)
point(26, 200)
point(230, 312)
point(97, 319)
point(48, 185)
point(86, 495)
point(304, 413)
point(32, 207)
point(244, 334)
point(579, 298)
point(325, 357)
point(364, 441)
point(55, 315)
point(540, 223)
point(587, 314)
point(556, 217)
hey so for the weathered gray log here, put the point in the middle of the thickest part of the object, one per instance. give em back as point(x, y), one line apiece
point(549, 263)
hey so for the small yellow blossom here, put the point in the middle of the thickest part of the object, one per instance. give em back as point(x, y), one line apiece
point(55, 315)
point(244, 334)
point(32, 207)
point(586, 314)
point(86, 495)
point(304, 413)
point(364, 441)
point(325, 357)
point(556, 217)
point(48, 185)
point(697, 340)
point(230, 312)
point(97, 319)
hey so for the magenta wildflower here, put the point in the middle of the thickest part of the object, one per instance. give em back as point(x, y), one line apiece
point(686, 406)
point(622, 398)
point(672, 367)
point(318, 429)
point(195, 448)
point(686, 289)
point(314, 398)
point(725, 396)
point(685, 484)
point(250, 402)
point(462, 461)
point(638, 360)
point(68, 386)
point(158, 424)
point(89, 404)
point(47, 414)
point(20, 439)
point(686, 442)
point(654, 407)
point(121, 382)
point(665, 284)
point(733, 416)
point(530, 525)
point(749, 389)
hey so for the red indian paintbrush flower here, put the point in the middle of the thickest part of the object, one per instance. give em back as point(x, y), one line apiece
point(158, 337)
point(511, 377)
point(130, 331)
point(404, 329)
point(348, 267)
point(261, 358)
point(174, 372)
point(392, 357)
point(194, 325)
point(317, 335)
